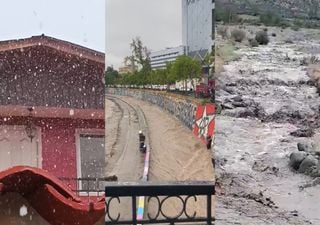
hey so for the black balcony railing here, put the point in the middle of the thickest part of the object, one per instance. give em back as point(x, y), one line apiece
point(160, 193)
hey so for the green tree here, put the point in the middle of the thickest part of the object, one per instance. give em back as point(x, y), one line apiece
point(171, 75)
point(156, 77)
point(111, 76)
point(186, 68)
point(164, 77)
point(141, 56)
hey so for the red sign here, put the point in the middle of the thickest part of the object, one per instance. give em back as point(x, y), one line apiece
point(204, 121)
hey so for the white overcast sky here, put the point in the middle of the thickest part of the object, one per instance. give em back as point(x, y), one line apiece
point(78, 21)
point(157, 22)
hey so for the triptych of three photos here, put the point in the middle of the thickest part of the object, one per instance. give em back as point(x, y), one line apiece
point(160, 112)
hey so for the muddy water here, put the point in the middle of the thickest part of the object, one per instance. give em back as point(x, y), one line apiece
point(253, 140)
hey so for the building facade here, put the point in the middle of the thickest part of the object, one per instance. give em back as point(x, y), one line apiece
point(55, 89)
point(127, 69)
point(159, 59)
point(197, 26)
point(51, 126)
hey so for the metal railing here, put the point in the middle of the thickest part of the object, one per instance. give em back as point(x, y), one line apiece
point(161, 193)
point(87, 186)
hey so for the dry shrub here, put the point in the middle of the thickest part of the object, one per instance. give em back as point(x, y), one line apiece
point(262, 37)
point(253, 43)
point(223, 31)
point(238, 35)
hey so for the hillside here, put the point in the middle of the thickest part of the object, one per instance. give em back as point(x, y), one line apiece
point(308, 9)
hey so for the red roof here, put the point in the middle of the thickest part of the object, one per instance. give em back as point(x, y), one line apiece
point(46, 72)
point(54, 43)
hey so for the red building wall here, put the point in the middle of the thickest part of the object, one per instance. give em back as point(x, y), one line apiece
point(59, 150)
point(59, 153)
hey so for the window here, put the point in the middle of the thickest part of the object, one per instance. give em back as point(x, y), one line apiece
point(16, 148)
point(91, 161)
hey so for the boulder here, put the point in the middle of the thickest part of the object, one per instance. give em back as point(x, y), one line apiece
point(296, 159)
point(229, 90)
point(237, 98)
point(316, 145)
point(232, 84)
point(227, 106)
point(250, 102)
point(239, 104)
point(308, 164)
point(305, 147)
point(314, 172)
point(303, 133)
point(245, 113)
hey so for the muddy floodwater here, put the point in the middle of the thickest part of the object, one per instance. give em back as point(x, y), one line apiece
point(176, 154)
point(266, 96)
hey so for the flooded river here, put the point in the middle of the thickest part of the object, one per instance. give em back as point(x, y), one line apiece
point(266, 95)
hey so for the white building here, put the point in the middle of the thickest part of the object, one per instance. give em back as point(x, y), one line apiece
point(197, 31)
point(159, 59)
point(197, 26)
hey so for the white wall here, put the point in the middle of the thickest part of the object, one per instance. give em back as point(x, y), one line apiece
point(197, 24)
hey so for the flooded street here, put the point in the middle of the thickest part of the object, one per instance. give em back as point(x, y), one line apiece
point(268, 106)
point(172, 158)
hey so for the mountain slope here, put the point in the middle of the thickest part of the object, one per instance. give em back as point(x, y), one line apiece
point(286, 8)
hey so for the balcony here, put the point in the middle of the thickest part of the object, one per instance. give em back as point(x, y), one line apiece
point(136, 196)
